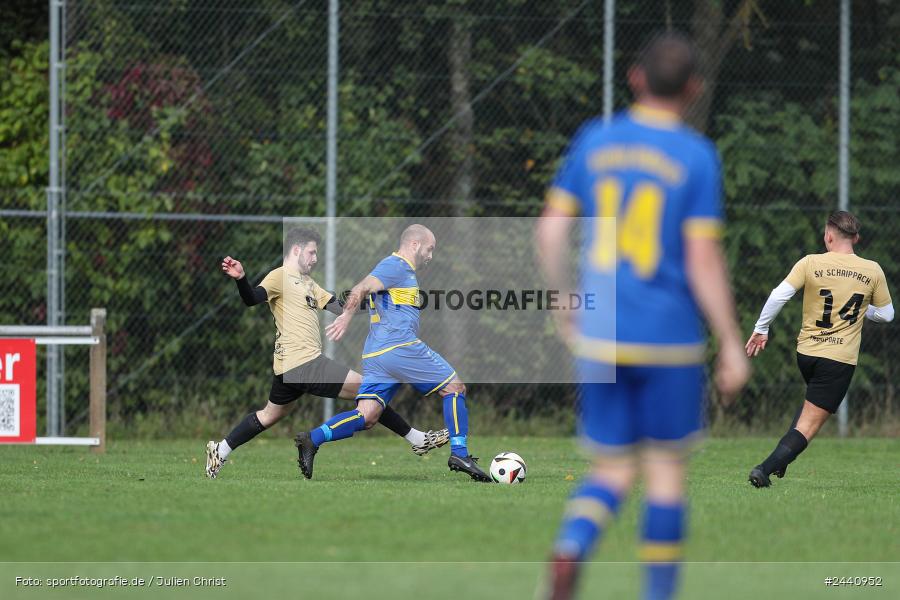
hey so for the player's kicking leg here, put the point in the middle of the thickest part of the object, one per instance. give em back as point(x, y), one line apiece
point(373, 395)
point(338, 427)
point(421, 442)
point(382, 376)
point(320, 377)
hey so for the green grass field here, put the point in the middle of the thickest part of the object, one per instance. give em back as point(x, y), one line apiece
point(407, 524)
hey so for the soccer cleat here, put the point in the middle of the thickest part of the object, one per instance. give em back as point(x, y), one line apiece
point(306, 453)
point(759, 478)
point(563, 578)
point(468, 465)
point(433, 439)
point(780, 473)
point(213, 461)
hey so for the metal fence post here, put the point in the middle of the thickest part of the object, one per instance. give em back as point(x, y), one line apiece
point(609, 48)
point(844, 154)
point(55, 275)
point(331, 173)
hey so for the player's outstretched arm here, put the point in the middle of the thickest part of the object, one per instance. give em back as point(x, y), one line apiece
point(708, 278)
point(777, 299)
point(250, 295)
point(370, 285)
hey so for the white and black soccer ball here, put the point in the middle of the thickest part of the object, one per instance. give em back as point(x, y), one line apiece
point(508, 467)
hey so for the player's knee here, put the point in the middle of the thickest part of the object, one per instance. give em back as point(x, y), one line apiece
point(454, 387)
point(270, 415)
point(618, 473)
point(664, 475)
point(370, 413)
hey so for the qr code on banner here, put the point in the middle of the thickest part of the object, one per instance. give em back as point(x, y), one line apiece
point(9, 410)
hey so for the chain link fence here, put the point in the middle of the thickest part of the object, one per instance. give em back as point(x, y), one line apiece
point(194, 128)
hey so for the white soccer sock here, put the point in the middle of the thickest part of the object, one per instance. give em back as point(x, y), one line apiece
point(415, 437)
point(224, 449)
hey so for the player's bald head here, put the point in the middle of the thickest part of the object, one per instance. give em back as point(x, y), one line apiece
point(416, 233)
point(417, 244)
point(669, 61)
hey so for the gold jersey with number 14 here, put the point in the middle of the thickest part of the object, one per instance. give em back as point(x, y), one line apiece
point(837, 289)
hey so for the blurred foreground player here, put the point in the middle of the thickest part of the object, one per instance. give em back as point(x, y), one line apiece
point(839, 287)
point(649, 190)
point(299, 365)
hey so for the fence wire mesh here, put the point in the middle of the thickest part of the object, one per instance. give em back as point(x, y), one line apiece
point(193, 128)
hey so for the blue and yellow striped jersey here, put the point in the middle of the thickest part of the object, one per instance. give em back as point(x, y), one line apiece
point(645, 182)
point(394, 312)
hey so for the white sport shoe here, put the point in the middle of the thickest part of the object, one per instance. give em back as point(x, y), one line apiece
point(433, 439)
point(213, 461)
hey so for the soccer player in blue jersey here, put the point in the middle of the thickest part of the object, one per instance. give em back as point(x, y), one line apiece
point(648, 189)
point(393, 354)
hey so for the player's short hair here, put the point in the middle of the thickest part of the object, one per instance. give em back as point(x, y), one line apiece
point(300, 236)
point(844, 223)
point(669, 60)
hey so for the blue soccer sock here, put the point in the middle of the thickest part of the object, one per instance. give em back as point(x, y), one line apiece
point(663, 533)
point(338, 427)
point(589, 509)
point(456, 417)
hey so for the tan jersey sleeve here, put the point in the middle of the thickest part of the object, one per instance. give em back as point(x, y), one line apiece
point(797, 277)
point(322, 296)
point(881, 295)
point(273, 282)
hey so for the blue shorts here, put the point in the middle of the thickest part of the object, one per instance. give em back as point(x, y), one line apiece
point(647, 405)
point(416, 364)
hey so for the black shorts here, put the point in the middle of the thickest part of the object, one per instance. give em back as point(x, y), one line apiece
point(826, 380)
point(320, 377)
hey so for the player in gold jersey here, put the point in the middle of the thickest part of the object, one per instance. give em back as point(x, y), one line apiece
point(839, 288)
point(298, 363)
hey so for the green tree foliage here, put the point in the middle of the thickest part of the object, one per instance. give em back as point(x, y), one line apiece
point(220, 108)
point(23, 122)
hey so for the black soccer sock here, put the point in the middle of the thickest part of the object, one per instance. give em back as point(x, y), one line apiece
point(246, 430)
point(789, 447)
point(394, 422)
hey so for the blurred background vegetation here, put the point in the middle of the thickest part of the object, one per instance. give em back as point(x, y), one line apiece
point(180, 113)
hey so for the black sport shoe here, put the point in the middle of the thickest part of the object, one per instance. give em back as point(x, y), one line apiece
point(468, 465)
point(780, 473)
point(759, 478)
point(306, 452)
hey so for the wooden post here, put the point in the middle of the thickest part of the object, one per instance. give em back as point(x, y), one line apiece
point(98, 379)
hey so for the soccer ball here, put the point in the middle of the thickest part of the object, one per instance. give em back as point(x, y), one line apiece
point(508, 467)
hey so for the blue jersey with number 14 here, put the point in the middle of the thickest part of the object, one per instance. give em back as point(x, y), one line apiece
point(645, 182)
